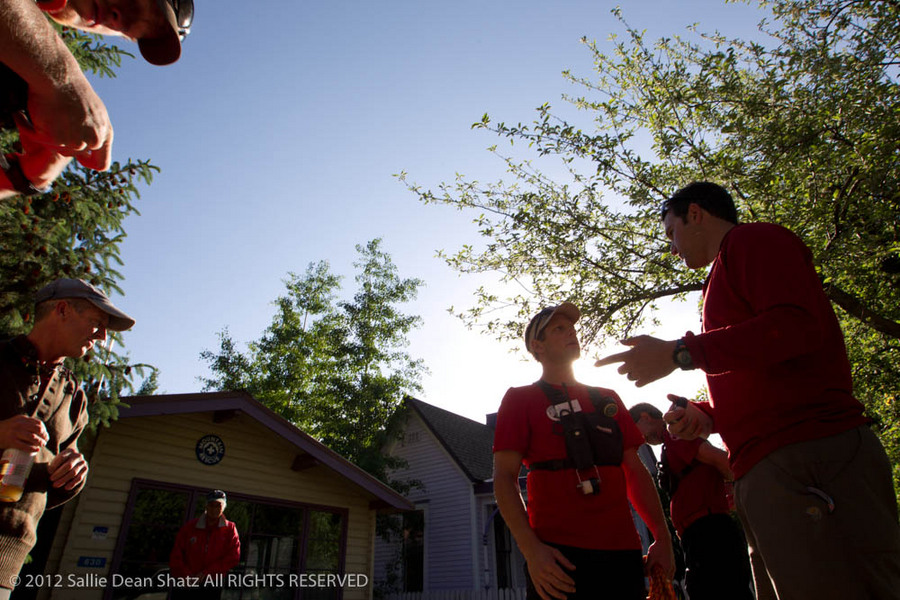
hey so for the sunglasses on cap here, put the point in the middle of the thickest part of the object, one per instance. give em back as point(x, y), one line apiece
point(184, 15)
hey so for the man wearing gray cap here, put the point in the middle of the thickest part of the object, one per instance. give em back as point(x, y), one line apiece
point(43, 410)
point(580, 444)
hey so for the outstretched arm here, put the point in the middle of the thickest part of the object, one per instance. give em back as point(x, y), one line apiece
point(66, 114)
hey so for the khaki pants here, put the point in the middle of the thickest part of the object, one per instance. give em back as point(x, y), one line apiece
point(800, 548)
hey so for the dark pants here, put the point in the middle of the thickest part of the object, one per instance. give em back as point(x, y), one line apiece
point(716, 559)
point(598, 574)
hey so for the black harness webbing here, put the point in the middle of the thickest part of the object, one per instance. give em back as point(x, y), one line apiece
point(555, 397)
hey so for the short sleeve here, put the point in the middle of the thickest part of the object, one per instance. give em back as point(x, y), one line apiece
point(512, 431)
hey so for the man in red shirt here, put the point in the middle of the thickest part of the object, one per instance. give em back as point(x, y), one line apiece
point(205, 550)
point(813, 484)
point(577, 534)
point(694, 474)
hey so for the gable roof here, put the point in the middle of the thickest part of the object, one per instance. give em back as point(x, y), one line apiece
point(178, 404)
point(469, 442)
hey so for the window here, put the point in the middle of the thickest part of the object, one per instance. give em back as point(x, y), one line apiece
point(153, 522)
point(413, 551)
point(502, 549)
point(277, 538)
point(323, 545)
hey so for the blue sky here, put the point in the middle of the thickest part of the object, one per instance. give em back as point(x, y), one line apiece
point(278, 134)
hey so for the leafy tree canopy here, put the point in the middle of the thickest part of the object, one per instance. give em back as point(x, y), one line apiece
point(74, 231)
point(803, 127)
point(337, 369)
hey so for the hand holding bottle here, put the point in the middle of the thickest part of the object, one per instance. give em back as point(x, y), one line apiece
point(23, 433)
point(22, 437)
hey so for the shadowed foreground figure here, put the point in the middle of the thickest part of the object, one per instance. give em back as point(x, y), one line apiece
point(813, 483)
point(43, 409)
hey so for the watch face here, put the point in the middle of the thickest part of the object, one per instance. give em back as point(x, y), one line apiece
point(683, 357)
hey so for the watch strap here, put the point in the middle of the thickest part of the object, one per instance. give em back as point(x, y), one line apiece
point(681, 356)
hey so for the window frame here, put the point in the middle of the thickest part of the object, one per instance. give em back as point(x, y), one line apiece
point(195, 492)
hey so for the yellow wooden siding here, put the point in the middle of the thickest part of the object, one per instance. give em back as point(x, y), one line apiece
point(257, 462)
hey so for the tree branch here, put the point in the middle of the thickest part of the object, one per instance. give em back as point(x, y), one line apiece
point(856, 308)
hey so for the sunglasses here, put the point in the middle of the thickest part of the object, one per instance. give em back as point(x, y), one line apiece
point(184, 15)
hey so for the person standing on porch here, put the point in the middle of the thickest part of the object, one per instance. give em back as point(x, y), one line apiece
point(206, 548)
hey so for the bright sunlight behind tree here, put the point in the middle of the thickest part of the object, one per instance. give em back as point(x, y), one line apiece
point(803, 127)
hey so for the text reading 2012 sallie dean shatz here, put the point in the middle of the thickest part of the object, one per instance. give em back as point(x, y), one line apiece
point(165, 580)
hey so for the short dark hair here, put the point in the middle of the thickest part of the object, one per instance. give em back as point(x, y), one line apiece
point(711, 197)
point(644, 407)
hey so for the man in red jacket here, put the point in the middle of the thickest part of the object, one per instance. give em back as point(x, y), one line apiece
point(205, 550)
point(813, 483)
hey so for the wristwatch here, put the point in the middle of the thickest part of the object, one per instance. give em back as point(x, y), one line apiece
point(13, 170)
point(681, 356)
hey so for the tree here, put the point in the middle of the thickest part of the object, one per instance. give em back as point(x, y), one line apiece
point(336, 369)
point(73, 231)
point(801, 125)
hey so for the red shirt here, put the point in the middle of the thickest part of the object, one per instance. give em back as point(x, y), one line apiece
point(701, 491)
point(557, 510)
point(771, 346)
point(200, 550)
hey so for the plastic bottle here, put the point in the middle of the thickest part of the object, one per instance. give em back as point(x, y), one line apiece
point(15, 466)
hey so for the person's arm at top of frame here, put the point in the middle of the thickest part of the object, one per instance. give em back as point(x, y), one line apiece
point(643, 495)
point(545, 564)
point(40, 165)
point(66, 114)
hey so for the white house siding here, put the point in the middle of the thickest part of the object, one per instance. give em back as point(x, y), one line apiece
point(448, 496)
point(257, 462)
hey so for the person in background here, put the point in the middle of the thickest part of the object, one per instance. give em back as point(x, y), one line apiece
point(694, 474)
point(205, 548)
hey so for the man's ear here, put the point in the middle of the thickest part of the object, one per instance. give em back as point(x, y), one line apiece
point(695, 214)
point(62, 308)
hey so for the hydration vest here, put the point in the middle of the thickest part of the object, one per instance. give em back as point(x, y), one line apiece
point(592, 439)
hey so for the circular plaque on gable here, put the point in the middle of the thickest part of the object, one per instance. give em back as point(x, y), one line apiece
point(210, 449)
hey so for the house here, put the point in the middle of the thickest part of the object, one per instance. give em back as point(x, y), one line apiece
point(456, 539)
point(300, 509)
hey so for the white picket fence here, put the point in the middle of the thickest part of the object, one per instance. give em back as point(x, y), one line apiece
point(504, 594)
